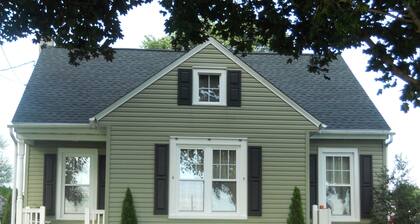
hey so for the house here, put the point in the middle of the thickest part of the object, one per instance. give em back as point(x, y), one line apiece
point(199, 136)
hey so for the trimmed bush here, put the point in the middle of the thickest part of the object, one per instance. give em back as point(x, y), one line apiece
point(295, 209)
point(128, 213)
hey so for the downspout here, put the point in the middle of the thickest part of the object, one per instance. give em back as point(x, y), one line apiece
point(13, 215)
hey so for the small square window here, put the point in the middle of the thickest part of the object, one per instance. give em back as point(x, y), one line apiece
point(209, 87)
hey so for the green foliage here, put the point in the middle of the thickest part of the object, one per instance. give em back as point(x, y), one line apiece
point(128, 214)
point(295, 209)
point(396, 196)
point(7, 210)
point(5, 168)
point(388, 30)
point(151, 42)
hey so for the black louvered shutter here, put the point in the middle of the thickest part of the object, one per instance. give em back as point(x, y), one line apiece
point(366, 185)
point(313, 180)
point(184, 86)
point(234, 88)
point(254, 181)
point(101, 181)
point(161, 179)
point(50, 167)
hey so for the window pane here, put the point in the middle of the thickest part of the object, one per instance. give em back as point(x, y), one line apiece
point(224, 172)
point(216, 156)
point(77, 170)
point(191, 195)
point(224, 196)
point(76, 199)
point(214, 95)
point(232, 172)
point(346, 163)
point(346, 177)
point(191, 164)
point(204, 95)
point(216, 171)
point(337, 163)
point(214, 81)
point(330, 176)
point(203, 81)
point(225, 156)
point(337, 177)
point(338, 200)
point(329, 163)
point(232, 157)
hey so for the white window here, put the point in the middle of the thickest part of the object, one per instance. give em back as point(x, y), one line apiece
point(209, 87)
point(208, 178)
point(76, 182)
point(339, 183)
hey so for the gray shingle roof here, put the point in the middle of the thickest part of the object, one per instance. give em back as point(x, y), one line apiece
point(61, 93)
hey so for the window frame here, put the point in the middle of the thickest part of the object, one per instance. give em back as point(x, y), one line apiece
point(222, 86)
point(207, 144)
point(93, 170)
point(353, 153)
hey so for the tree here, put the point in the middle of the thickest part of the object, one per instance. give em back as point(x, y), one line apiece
point(5, 168)
point(128, 214)
point(388, 30)
point(151, 42)
point(295, 209)
point(396, 197)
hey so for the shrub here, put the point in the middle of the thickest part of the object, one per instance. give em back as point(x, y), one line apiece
point(128, 214)
point(7, 210)
point(295, 209)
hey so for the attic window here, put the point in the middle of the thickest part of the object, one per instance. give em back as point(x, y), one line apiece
point(209, 87)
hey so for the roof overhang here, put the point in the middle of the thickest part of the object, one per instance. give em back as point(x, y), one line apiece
point(58, 132)
point(189, 54)
point(352, 134)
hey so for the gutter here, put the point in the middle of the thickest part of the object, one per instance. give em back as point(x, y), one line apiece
point(353, 134)
point(13, 215)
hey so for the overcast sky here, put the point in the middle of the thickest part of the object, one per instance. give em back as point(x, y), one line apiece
point(147, 20)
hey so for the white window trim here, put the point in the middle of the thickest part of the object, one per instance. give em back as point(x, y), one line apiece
point(241, 177)
point(354, 180)
point(222, 83)
point(62, 152)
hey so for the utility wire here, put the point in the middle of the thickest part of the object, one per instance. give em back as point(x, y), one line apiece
point(10, 66)
point(17, 66)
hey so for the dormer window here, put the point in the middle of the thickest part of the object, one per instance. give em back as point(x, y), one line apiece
point(209, 87)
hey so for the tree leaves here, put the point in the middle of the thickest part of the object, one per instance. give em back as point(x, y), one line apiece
point(388, 29)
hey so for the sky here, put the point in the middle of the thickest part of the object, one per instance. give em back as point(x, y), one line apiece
point(146, 20)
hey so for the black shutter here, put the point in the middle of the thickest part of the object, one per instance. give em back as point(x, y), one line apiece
point(234, 88)
point(101, 181)
point(254, 181)
point(184, 86)
point(161, 179)
point(50, 167)
point(313, 180)
point(366, 185)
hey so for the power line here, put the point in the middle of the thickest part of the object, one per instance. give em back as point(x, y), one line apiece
point(17, 66)
point(8, 63)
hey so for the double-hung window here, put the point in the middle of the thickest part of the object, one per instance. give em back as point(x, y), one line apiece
point(76, 182)
point(209, 87)
point(208, 178)
point(339, 185)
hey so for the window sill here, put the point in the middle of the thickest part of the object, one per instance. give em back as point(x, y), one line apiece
point(209, 104)
point(228, 216)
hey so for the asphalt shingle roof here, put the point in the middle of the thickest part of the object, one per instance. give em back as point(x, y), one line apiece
point(61, 93)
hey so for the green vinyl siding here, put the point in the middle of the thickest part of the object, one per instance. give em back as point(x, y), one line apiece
point(153, 115)
point(376, 148)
